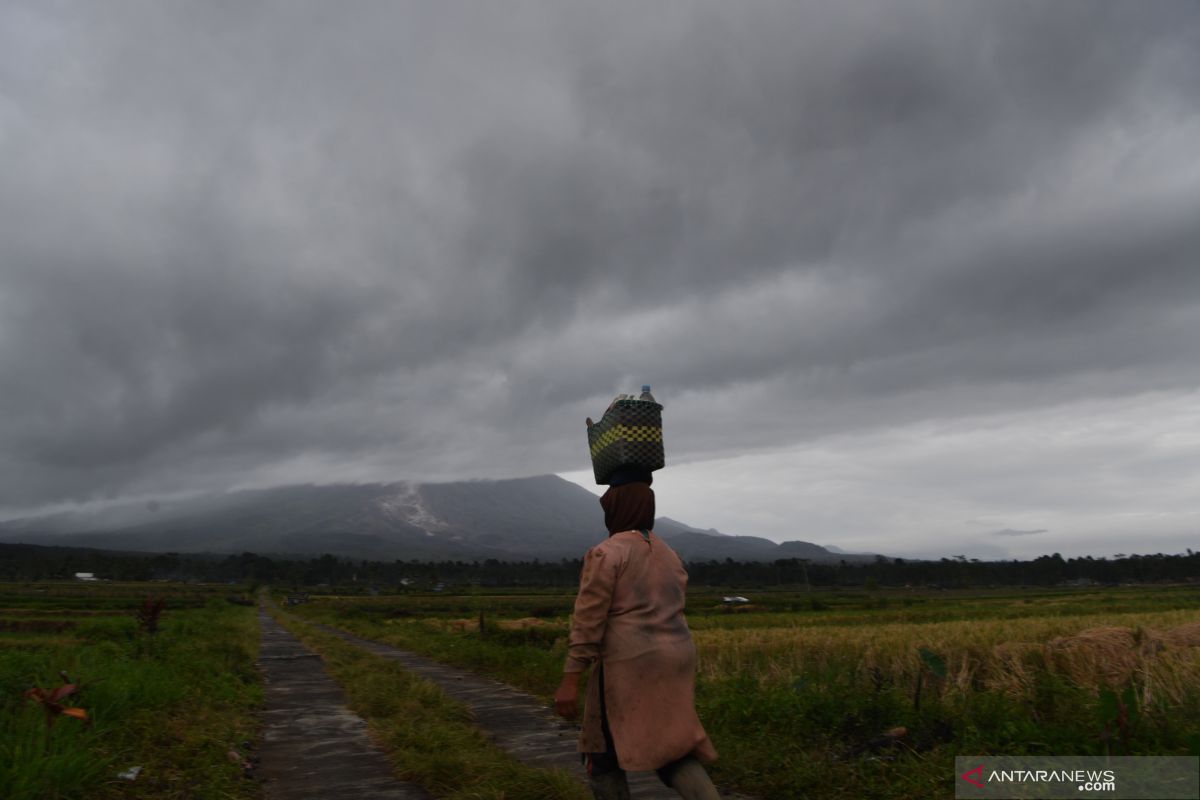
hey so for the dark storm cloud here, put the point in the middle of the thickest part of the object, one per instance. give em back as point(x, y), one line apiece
point(424, 240)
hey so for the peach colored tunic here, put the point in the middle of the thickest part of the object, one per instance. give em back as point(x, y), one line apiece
point(629, 615)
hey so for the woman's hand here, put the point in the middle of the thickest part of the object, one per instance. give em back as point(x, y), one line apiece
point(566, 698)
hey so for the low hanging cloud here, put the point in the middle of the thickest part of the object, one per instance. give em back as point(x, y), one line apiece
point(250, 244)
point(1014, 532)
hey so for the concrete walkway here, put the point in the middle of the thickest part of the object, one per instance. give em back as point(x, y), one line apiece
point(313, 746)
point(516, 721)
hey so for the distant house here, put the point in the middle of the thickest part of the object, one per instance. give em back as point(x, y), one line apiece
point(297, 599)
point(85, 576)
point(737, 598)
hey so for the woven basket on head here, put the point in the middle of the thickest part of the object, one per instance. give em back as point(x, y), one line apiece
point(629, 435)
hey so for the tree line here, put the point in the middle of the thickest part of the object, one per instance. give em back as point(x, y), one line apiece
point(21, 562)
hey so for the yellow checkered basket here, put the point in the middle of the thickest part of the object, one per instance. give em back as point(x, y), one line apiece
point(629, 435)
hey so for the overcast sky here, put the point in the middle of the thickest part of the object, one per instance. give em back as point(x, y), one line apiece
point(919, 278)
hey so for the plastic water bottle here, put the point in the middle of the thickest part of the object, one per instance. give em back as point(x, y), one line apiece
point(646, 393)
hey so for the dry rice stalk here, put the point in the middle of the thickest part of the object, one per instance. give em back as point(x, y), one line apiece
point(1186, 635)
point(1107, 655)
point(1158, 652)
point(525, 623)
point(1162, 662)
point(1011, 669)
point(1172, 676)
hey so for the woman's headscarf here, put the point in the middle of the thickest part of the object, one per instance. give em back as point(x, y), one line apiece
point(628, 507)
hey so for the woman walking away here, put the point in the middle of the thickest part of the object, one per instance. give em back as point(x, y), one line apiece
point(629, 627)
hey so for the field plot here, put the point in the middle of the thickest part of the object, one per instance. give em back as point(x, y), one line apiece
point(167, 699)
point(867, 694)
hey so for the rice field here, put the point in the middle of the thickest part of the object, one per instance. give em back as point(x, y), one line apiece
point(868, 694)
point(834, 694)
point(148, 714)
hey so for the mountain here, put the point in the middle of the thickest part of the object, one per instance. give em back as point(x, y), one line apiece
point(542, 517)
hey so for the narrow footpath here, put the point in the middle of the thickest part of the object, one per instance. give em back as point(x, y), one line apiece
point(313, 746)
point(516, 721)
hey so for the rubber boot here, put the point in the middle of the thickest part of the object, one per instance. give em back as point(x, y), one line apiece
point(692, 782)
point(609, 786)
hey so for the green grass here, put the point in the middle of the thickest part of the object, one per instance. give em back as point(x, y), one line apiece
point(796, 691)
point(174, 703)
point(429, 737)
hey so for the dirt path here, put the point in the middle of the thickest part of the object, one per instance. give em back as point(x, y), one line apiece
point(516, 721)
point(313, 746)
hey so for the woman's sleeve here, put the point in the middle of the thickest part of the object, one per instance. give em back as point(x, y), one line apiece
point(591, 610)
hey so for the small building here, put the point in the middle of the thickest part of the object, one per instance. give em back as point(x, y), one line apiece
point(297, 599)
point(737, 598)
point(85, 576)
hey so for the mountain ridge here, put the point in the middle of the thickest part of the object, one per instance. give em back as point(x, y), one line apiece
point(539, 517)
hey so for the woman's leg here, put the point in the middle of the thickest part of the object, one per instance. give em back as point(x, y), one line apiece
point(605, 776)
point(687, 776)
point(609, 786)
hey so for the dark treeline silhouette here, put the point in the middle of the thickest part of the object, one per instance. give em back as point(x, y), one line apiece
point(20, 562)
point(953, 572)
